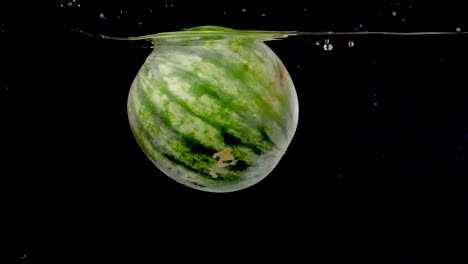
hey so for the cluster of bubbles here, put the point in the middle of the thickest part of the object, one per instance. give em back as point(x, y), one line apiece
point(329, 46)
point(71, 4)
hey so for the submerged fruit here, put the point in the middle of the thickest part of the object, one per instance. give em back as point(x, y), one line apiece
point(213, 108)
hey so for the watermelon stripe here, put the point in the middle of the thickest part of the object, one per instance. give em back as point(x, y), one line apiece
point(161, 121)
point(201, 88)
point(243, 71)
point(253, 111)
point(266, 109)
point(244, 133)
point(205, 84)
point(158, 152)
point(259, 78)
point(252, 102)
point(225, 134)
point(190, 144)
point(205, 87)
point(253, 139)
point(239, 75)
point(193, 144)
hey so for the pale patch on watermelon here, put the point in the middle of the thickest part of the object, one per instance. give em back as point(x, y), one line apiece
point(224, 155)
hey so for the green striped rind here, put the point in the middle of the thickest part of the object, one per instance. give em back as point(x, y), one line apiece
point(232, 97)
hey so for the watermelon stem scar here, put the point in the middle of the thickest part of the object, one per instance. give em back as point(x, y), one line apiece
point(213, 108)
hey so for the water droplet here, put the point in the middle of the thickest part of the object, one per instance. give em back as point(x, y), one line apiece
point(140, 23)
point(61, 5)
point(79, 5)
point(305, 9)
point(244, 10)
point(458, 29)
point(263, 14)
point(351, 43)
point(102, 16)
point(361, 25)
point(327, 41)
point(394, 13)
point(327, 46)
point(403, 19)
point(317, 43)
point(70, 3)
point(225, 13)
point(375, 104)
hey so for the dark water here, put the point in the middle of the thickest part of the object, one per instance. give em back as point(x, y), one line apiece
point(377, 170)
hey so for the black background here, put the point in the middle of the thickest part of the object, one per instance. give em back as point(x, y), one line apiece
point(376, 171)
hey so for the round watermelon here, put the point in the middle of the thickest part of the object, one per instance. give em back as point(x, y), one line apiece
point(213, 108)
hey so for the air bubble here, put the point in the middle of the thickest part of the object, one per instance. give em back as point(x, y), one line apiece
point(350, 43)
point(458, 29)
point(317, 43)
point(327, 46)
point(327, 41)
point(102, 16)
point(244, 10)
point(394, 13)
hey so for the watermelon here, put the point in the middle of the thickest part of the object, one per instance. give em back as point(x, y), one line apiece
point(213, 108)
